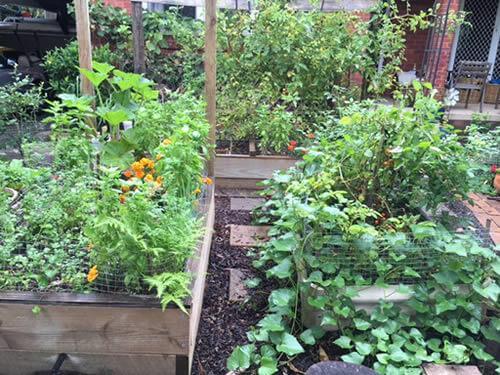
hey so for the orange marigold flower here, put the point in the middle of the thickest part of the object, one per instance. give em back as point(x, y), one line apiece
point(125, 188)
point(92, 275)
point(123, 198)
point(166, 142)
point(140, 174)
point(207, 180)
point(128, 173)
point(147, 163)
point(197, 191)
point(136, 166)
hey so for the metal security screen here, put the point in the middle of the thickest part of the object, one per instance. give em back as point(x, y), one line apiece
point(475, 40)
point(496, 68)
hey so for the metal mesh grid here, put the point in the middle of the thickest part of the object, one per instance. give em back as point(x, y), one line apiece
point(111, 276)
point(474, 42)
point(394, 262)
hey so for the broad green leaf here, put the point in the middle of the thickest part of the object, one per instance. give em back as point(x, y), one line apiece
point(456, 248)
point(282, 270)
point(472, 325)
point(444, 306)
point(103, 68)
point(456, 353)
point(284, 244)
point(344, 342)
point(241, 358)
point(361, 324)
point(363, 348)
point(281, 298)
point(491, 291)
point(307, 337)
point(289, 345)
point(95, 78)
point(272, 323)
point(380, 333)
point(353, 357)
point(253, 283)
point(117, 154)
point(268, 366)
point(398, 355)
point(114, 117)
point(383, 358)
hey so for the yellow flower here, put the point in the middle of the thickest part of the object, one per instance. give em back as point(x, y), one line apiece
point(147, 163)
point(136, 166)
point(207, 180)
point(197, 191)
point(149, 178)
point(166, 142)
point(122, 198)
point(125, 188)
point(92, 275)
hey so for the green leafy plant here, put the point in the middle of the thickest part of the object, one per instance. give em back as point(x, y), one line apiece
point(344, 220)
point(61, 66)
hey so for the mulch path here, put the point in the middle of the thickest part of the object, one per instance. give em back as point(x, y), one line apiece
point(224, 324)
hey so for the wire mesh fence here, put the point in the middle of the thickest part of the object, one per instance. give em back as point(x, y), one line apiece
point(401, 261)
point(32, 261)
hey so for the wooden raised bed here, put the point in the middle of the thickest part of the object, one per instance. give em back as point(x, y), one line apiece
point(245, 171)
point(103, 333)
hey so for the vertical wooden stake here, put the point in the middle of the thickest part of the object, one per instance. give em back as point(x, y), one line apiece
point(84, 43)
point(211, 76)
point(138, 35)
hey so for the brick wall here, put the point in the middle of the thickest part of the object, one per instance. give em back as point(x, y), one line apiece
point(442, 73)
point(415, 41)
point(125, 4)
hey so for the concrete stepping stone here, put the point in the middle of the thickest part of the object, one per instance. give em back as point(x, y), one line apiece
point(245, 204)
point(338, 368)
point(248, 235)
point(433, 369)
point(237, 289)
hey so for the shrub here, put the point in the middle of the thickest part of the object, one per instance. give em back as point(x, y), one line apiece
point(61, 66)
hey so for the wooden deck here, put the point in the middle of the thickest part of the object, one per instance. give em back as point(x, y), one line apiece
point(460, 113)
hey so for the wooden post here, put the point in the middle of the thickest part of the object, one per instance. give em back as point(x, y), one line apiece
point(211, 76)
point(138, 35)
point(84, 43)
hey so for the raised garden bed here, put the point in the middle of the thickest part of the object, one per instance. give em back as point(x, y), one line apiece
point(242, 164)
point(105, 333)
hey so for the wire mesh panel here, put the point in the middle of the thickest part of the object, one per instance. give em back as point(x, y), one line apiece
point(33, 257)
point(474, 43)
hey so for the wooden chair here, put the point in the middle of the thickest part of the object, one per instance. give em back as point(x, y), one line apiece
point(471, 75)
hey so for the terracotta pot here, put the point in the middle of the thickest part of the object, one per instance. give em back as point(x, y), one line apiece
point(496, 183)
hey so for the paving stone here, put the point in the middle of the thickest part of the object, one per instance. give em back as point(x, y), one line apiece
point(245, 204)
point(237, 289)
point(338, 368)
point(433, 369)
point(248, 235)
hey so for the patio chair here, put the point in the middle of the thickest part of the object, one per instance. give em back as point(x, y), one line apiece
point(471, 75)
